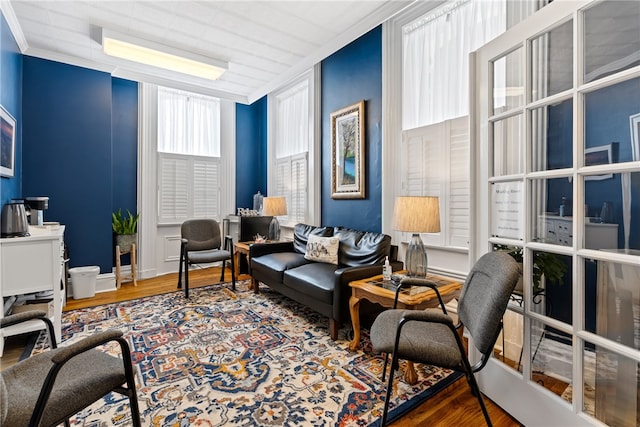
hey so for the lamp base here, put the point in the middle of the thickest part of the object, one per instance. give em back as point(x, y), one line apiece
point(274, 230)
point(416, 258)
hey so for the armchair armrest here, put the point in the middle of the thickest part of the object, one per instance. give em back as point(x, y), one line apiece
point(415, 281)
point(65, 353)
point(25, 316)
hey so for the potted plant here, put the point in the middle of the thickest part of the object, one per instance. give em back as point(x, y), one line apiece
point(544, 264)
point(125, 227)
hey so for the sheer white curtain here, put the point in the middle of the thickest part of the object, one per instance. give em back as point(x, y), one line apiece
point(292, 127)
point(188, 123)
point(436, 51)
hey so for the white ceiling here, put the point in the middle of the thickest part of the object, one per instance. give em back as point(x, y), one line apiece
point(266, 43)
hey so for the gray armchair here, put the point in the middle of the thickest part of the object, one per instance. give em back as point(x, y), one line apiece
point(431, 337)
point(202, 243)
point(50, 387)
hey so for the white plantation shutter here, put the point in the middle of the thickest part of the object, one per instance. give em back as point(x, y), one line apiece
point(206, 188)
point(173, 189)
point(459, 183)
point(188, 188)
point(298, 197)
point(437, 159)
point(291, 182)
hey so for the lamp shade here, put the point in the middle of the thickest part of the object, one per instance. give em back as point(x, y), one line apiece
point(417, 214)
point(274, 206)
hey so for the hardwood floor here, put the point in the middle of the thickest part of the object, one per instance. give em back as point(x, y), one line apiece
point(453, 406)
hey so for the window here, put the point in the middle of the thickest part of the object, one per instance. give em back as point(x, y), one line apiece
point(435, 108)
point(292, 148)
point(188, 156)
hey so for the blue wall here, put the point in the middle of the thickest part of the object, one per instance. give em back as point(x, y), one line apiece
point(69, 154)
point(251, 151)
point(11, 100)
point(350, 75)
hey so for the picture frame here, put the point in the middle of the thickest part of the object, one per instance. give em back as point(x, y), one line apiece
point(600, 155)
point(347, 152)
point(7, 143)
point(634, 122)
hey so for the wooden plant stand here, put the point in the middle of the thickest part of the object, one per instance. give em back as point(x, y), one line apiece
point(133, 275)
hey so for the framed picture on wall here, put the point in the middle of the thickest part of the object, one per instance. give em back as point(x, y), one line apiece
point(635, 136)
point(600, 155)
point(7, 143)
point(347, 152)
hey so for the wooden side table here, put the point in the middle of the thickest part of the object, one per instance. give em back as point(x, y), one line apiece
point(242, 248)
point(133, 275)
point(376, 290)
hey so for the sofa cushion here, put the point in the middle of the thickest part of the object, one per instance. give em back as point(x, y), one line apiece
point(322, 249)
point(362, 247)
point(301, 235)
point(271, 267)
point(315, 279)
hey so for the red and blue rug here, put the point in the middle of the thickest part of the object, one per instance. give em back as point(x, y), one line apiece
point(237, 358)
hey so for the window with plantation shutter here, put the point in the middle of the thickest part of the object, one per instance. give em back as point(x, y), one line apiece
point(437, 159)
point(291, 182)
point(188, 156)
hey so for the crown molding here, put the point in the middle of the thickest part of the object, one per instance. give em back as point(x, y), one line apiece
point(14, 25)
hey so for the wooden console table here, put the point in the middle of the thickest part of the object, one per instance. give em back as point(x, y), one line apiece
point(376, 290)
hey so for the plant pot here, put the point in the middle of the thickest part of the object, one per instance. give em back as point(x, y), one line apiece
point(125, 241)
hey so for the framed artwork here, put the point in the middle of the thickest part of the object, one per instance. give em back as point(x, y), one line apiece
point(600, 155)
point(347, 152)
point(7, 143)
point(635, 136)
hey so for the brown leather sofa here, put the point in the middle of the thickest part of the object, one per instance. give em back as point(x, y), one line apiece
point(322, 286)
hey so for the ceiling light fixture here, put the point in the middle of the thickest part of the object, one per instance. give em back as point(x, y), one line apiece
point(161, 56)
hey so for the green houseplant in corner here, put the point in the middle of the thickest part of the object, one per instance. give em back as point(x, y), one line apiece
point(125, 227)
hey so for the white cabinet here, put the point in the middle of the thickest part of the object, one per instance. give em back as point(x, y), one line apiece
point(33, 264)
point(559, 230)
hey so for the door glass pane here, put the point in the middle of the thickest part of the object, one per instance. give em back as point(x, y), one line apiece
point(552, 291)
point(612, 206)
point(508, 82)
point(611, 387)
point(611, 38)
point(552, 136)
point(551, 358)
point(508, 146)
point(552, 206)
point(610, 114)
point(613, 301)
point(552, 62)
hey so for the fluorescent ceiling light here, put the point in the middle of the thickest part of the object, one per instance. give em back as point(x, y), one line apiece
point(160, 56)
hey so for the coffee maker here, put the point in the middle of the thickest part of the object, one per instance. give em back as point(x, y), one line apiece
point(37, 206)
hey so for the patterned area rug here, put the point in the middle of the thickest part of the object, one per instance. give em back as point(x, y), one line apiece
point(237, 358)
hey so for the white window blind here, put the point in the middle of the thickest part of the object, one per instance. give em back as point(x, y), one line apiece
point(437, 159)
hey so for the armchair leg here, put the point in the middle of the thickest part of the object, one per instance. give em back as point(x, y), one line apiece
point(186, 275)
point(224, 264)
point(180, 266)
point(385, 412)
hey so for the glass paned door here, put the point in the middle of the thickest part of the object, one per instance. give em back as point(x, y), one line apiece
point(557, 174)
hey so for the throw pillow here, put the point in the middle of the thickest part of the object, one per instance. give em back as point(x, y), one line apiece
point(322, 249)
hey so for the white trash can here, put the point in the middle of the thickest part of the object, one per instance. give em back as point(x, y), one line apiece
point(84, 280)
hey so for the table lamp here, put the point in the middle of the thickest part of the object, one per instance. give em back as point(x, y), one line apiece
point(416, 214)
point(274, 206)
